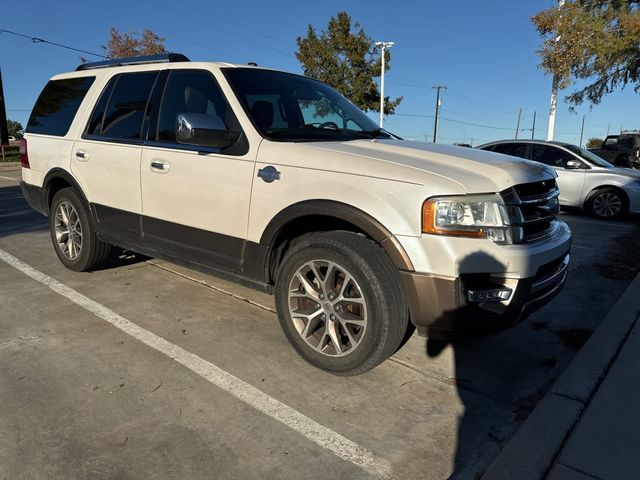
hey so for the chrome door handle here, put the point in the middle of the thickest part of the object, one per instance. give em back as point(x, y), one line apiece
point(159, 166)
point(82, 155)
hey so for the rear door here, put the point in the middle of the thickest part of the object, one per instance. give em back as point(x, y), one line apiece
point(195, 200)
point(570, 182)
point(106, 159)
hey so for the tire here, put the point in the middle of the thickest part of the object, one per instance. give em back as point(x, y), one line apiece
point(370, 321)
point(607, 203)
point(85, 251)
point(623, 161)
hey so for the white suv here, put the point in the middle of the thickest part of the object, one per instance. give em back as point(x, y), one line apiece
point(279, 182)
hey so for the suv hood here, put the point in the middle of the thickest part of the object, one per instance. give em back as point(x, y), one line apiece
point(476, 171)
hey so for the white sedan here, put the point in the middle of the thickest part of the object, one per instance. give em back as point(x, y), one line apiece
point(585, 180)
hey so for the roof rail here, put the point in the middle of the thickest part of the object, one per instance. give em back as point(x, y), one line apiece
point(118, 62)
point(626, 132)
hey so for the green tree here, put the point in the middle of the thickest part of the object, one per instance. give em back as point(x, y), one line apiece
point(15, 129)
point(594, 42)
point(594, 142)
point(130, 44)
point(344, 57)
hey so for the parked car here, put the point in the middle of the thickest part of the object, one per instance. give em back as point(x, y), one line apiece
point(279, 182)
point(586, 181)
point(621, 150)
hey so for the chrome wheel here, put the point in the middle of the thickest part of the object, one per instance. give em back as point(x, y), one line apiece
point(327, 308)
point(607, 204)
point(68, 230)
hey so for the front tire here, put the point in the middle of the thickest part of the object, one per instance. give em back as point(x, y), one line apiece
point(340, 302)
point(72, 233)
point(607, 203)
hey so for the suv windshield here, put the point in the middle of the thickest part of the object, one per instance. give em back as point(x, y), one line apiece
point(288, 107)
point(589, 157)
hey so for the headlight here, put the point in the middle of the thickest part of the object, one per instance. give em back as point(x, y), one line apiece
point(476, 216)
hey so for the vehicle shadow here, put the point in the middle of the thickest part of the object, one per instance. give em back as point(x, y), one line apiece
point(488, 378)
point(17, 217)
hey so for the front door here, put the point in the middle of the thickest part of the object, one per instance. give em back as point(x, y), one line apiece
point(570, 181)
point(195, 200)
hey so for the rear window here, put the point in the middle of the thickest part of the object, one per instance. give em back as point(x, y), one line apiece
point(57, 106)
point(513, 149)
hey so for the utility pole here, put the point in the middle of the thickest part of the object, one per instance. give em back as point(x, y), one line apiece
point(554, 95)
point(518, 124)
point(581, 131)
point(383, 46)
point(435, 122)
point(533, 127)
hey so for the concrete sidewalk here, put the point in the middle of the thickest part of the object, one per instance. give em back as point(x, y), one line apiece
point(587, 426)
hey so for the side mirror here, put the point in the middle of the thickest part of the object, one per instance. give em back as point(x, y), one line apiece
point(573, 165)
point(204, 131)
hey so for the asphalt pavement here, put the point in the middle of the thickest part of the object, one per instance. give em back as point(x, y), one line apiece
point(149, 370)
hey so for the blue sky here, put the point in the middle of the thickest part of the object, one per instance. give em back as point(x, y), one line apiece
point(484, 51)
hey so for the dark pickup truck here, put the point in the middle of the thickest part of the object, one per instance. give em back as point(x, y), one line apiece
point(622, 150)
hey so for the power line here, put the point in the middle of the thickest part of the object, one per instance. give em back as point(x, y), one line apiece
point(41, 40)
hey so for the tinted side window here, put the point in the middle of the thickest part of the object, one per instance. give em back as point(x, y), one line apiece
point(95, 124)
point(553, 156)
point(192, 91)
point(127, 105)
point(57, 106)
point(513, 149)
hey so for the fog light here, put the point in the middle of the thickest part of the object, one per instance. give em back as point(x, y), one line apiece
point(495, 295)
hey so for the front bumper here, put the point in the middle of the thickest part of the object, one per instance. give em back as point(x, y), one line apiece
point(443, 304)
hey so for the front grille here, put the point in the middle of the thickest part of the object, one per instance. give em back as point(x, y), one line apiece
point(533, 210)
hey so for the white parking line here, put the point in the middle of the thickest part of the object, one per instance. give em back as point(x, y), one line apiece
point(317, 433)
point(8, 178)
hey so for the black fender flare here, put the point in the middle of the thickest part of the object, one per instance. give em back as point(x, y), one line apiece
point(60, 173)
point(343, 212)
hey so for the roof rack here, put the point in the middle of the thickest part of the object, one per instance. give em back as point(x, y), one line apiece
point(627, 132)
point(118, 62)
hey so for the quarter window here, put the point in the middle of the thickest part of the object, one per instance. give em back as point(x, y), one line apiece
point(513, 149)
point(57, 106)
point(192, 91)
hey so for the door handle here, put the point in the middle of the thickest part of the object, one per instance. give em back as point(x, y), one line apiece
point(82, 155)
point(159, 166)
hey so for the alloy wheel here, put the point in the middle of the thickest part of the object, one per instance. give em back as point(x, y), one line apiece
point(68, 230)
point(607, 204)
point(327, 307)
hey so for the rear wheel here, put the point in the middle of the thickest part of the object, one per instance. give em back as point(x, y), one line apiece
point(340, 302)
point(607, 203)
point(72, 233)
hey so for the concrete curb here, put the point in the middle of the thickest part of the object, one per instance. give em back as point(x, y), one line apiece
point(532, 451)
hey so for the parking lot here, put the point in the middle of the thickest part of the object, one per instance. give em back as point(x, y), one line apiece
point(149, 370)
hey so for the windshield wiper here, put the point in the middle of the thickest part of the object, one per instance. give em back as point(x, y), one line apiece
point(377, 133)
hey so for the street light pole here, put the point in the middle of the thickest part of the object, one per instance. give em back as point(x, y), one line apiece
point(383, 46)
point(554, 95)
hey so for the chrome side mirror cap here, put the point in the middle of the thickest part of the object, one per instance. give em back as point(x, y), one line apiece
point(204, 130)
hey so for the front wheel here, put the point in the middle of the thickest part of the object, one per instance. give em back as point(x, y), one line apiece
point(72, 233)
point(607, 203)
point(340, 302)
